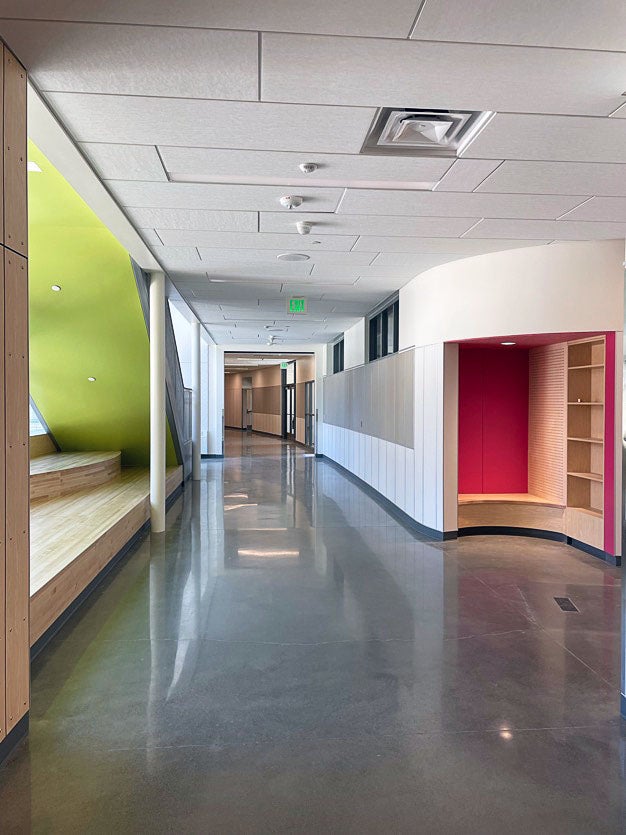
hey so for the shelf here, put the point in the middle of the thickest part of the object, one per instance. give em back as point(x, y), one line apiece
point(590, 511)
point(588, 476)
point(576, 403)
point(587, 440)
point(580, 367)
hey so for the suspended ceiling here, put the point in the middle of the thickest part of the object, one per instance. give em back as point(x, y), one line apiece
point(192, 114)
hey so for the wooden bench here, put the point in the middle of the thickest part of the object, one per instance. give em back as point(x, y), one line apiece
point(65, 472)
point(510, 510)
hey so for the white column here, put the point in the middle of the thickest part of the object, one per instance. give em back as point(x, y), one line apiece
point(196, 400)
point(216, 400)
point(157, 402)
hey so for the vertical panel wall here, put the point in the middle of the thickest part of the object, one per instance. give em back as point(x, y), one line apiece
point(384, 422)
point(14, 426)
point(546, 422)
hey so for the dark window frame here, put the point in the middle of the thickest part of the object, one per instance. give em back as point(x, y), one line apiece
point(379, 326)
point(338, 356)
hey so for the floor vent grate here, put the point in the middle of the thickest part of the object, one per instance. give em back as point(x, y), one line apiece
point(566, 604)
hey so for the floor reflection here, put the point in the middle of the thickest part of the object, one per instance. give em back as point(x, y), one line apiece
point(286, 636)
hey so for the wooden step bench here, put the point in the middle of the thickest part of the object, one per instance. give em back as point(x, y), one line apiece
point(510, 510)
point(74, 537)
point(66, 472)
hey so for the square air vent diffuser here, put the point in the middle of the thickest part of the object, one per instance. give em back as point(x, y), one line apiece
point(410, 132)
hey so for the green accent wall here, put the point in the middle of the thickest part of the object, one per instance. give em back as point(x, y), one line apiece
point(93, 327)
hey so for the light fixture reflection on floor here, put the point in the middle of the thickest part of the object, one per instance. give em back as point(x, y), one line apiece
point(253, 552)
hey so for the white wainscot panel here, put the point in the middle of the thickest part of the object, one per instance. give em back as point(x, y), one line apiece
point(400, 467)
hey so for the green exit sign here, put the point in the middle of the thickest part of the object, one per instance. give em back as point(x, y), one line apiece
point(297, 306)
point(284, 365)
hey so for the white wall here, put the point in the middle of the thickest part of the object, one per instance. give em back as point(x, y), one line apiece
point(557, 288)
point(410, 478)
point(354, 345)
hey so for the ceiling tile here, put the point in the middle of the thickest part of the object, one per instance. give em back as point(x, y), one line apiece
point(467, 174)
point(150, 237)
point(235, 257)
point(524, 136)
point(350, 17)
point(254, 271)
point(459, 247)
point(362, 71)
point(245, 240)
point(541, 229)
point(211, 221)
point(206, 162)
point(580, 25)
point(340, 224)
point(442, 204)
point(600, 209)
point(218, 124)
point(521, 177)
point(344, 274)
point(228, 197)
point(137, 60)
point(451, 246)
point(125, 162)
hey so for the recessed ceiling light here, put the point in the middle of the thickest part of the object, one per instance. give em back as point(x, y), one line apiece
point(32, 167)
point(293, 256)
point(56, 288)
point(91, 379)
point(507, 343)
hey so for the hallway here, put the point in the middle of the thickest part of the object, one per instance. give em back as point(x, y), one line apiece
point(289, 657)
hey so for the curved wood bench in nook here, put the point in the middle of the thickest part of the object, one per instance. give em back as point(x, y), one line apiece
point(65, 472)
point(510, 510)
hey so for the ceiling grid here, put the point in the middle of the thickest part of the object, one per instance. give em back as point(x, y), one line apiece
point(198, 119)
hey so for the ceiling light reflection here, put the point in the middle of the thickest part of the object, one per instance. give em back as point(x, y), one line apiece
point(255, 552)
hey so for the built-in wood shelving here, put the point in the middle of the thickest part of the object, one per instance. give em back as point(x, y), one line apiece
point(585, 440)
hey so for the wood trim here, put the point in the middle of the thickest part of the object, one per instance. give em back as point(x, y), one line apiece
point(16, 496)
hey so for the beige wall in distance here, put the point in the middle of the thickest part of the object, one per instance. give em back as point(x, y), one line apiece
point(305, 373)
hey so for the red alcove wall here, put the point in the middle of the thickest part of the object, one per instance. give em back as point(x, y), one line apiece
point(493, 420)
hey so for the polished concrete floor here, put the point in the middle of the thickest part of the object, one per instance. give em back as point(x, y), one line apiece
point(289, 658)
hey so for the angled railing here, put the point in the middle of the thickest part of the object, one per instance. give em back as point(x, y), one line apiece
point(178, 400)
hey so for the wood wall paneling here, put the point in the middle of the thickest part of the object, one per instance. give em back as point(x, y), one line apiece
point(3, 723)
point(14, 144)
point(16, 495)
point(547, 418)
point(2, 145)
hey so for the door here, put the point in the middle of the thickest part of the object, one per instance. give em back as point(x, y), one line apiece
point(248, 400)
point(309, 414)
point(290, 411)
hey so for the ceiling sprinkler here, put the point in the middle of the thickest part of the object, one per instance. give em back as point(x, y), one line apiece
point(308, 167)
point(304, 227)
point(291, 201)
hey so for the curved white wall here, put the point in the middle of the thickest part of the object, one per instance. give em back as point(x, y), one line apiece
point(555, 288)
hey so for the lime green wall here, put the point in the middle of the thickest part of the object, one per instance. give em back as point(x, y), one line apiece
point(93, 327)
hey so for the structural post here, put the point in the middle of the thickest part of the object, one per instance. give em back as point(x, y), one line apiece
point(196, 399)
point(157, 401)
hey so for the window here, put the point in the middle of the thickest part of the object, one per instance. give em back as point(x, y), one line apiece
point(36, 426)
point(338, 356)
point(384, 332)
